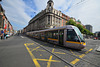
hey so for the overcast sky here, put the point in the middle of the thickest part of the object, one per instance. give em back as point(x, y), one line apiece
point(19, 12)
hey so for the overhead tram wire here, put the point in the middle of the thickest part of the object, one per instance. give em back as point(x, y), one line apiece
point(81, 2)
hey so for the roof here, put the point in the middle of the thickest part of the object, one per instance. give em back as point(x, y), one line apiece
point(63, 27)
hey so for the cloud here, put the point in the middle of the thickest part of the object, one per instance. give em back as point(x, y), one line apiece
point(19, 12)
point(15, 11)
point(88, 13)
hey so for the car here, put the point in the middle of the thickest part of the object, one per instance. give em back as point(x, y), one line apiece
point(8, 35)
point(95, 38)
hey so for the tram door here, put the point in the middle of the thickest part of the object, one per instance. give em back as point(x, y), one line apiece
point(61, 37)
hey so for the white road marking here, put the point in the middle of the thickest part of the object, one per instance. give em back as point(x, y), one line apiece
point(98, 48)
point(22, 37)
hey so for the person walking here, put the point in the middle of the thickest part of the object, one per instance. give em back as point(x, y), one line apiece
point(0, 34)
point(5, 34)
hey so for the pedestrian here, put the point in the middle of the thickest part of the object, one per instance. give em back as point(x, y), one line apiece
point(2, 34)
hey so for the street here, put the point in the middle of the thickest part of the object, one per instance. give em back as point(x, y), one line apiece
point(22, 51)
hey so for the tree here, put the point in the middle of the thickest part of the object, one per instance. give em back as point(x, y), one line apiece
point(71, 22)
point(83, 30)
point(80, 27)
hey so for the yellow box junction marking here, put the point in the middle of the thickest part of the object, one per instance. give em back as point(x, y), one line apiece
point(33, 57)
point(88, 51)
point(57, 52)
point(80, 56)
point(40, 50)
point(75, 61)
point(28, 44)
point(40, 54)
point(49, 61)
point(35, 49)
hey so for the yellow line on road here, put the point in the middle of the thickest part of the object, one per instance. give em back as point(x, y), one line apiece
point(88, 51)
point(35, 48)
point(75, 61)
point(33, 57)
point(57, 52)
point(40, 54)
point(48, 60)
point(91, 49)
point(40, 50)
point(81, 56)
point(52, 50)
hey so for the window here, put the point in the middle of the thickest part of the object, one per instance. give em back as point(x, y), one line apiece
point(55, 34)
point(50, 34)
point(49, 4)
point(48, 19)
point(79, 34)
point(71, 35)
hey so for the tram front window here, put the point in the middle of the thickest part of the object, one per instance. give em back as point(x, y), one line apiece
point(79, 34)
point(72, 36)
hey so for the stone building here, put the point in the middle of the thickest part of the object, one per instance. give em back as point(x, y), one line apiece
point(47, 18)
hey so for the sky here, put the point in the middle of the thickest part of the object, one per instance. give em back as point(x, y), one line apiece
point(19, 12)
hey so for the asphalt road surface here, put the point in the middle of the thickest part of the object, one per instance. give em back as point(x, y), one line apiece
point(22, 51)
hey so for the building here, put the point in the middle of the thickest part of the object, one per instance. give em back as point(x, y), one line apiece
point(65, 19)
point(47, 18)
point(5, 25)
point(89, 27)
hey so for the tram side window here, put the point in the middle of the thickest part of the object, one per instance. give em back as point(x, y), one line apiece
point(42, 34)
point(72, 36)
point(55, 34)
point(50, 34)
point(36, 34)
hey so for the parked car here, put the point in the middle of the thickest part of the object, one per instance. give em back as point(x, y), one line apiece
point(8, 35)
point(95, 38)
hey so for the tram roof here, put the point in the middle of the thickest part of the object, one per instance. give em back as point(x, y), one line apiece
point(57, 28)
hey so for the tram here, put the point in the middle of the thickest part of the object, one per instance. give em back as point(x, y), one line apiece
point(68, 36)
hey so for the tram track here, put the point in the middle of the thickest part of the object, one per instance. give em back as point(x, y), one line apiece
point(64, 59)
point(55, 55)
point(82, 59)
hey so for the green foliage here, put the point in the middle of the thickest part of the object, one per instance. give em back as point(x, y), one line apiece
point(83, 30)
point(71, 22)
point(80, 28)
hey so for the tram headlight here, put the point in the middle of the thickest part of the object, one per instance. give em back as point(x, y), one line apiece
point(84, 43)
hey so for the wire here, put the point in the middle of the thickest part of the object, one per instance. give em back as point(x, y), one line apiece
point(82, 1)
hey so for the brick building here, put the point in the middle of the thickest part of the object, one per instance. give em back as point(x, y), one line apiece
point(5, 25)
